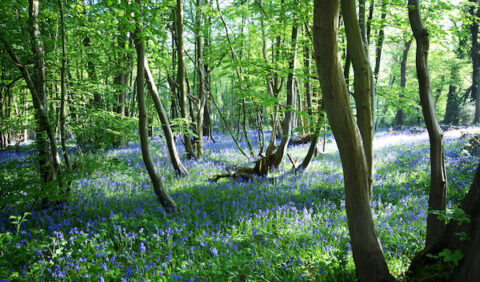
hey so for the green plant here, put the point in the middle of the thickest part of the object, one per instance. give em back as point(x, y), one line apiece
point(448, 256)
point(18, 220)
point(456, 214)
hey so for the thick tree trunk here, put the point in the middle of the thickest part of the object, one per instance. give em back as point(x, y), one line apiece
point(438, 186)
point(63, 89)
point(181, 75)
point(367, 251)
point(475, 54)
point(162, 195)
point(167, 131)
point(403, 80)
point(363, 83)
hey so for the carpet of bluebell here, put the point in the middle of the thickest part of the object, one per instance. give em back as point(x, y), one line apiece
point(290, 228)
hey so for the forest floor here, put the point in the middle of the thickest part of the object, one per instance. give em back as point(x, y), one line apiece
point(292, 228)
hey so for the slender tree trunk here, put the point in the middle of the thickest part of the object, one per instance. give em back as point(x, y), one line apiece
point(367, 251)
point(207, 121)
point(162, 195)
point(45, 139)
point(438, 179)
point(363, 83)
point(362, 21)
point(222, 117)
point(202, 91)
point(380, 39)
point(403, 80)
point(274, 160)
point(369, 20)
point(63, 89)
point(346, 67)
point(308, 92)
point(92, 73)
point(167, 131)
point(181, 75)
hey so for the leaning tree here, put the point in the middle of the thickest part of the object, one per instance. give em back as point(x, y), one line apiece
point(167, 202)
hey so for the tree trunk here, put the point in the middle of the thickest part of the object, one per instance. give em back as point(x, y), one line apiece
point(49, 160)
point(274, 160)
point(475, 54)
point(162, 115)
point(363, 83)
point(63, 89)
point(403, 80)
point(92, 73)
point(181, 76)
point(370, 18)
point(467, 269)
point(367, 251)
point(453, 103)
point(202, 91)
point(362, 21)
point(380, 39)
point(162, 195)
point(438, 186)
point(308, 92)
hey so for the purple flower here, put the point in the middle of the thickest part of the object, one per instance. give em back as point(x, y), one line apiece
point(142, 248)
point(214, 252)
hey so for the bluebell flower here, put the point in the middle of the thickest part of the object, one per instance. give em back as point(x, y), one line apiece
point(214, 252)
point(142, 248)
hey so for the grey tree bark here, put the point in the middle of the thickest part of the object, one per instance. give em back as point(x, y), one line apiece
point(162, 195)
point(403, 79)
point(202, 80)
point(63, 88)
point(181, 74)
point(380, 39)
point(438, 178)
point(367, 251)
point(162, 115)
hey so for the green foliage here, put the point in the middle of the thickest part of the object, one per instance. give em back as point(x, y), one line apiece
point(100, 130)
point(18, 220)
point(456, 214)
point(448, 256)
